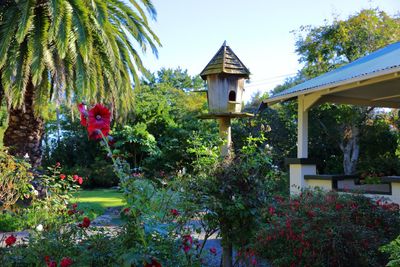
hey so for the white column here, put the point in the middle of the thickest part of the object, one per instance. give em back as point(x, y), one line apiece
point(299, 169)
point(302, 129)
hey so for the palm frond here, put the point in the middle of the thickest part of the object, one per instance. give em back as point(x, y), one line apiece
point(25, 19)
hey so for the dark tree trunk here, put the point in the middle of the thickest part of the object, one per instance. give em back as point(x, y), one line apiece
point(24, 132)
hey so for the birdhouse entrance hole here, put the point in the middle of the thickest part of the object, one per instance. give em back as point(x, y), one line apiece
point(232, 96)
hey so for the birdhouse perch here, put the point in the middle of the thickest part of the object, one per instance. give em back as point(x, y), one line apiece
point(225, 75)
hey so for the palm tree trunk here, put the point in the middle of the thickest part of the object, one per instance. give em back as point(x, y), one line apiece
point(24, 133)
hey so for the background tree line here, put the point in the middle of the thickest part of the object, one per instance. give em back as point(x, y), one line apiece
point(162, 125)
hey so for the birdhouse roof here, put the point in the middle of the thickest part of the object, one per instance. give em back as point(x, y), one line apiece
point(225, 61)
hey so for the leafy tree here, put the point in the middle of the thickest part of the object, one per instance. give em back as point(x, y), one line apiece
point(154, 137)
point(323, 49)
point(66, 51)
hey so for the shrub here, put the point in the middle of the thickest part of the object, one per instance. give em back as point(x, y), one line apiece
point(393, 248)
point(327, 229)
point(231, 193)
point(9, 222)
point(15, 179)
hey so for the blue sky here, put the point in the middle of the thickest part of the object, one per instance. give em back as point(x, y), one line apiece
point(258, 31)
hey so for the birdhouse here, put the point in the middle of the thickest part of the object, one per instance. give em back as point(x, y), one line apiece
point(225, 75)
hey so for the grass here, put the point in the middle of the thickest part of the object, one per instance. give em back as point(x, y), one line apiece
point(94, 202)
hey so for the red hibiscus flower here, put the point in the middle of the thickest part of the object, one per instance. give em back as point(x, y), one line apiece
point(66, 262)
point(84, 114)
point(187, 241)
point(174, 212)
point(213, 251)
point(99, 121)
point(80, 180)
point(52, 264)
point(271, 211)
point(62, 176)
point(338, 206)
point(85, 223)
point(126, 211)
point(75, 177)
point(153, 263)
point(10, 240)
point(46, 259)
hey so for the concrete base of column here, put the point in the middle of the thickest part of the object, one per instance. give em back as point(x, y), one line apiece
point(297, 169)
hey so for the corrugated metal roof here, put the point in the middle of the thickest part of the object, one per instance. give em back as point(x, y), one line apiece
point(383, 59)
point(225, 61)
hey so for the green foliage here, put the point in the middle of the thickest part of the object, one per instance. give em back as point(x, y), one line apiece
point(73, 50)
point(154, 138)
point(15, 180)
point(327, 47)
point(333, 128)
point(233, 191)
point(326, 229)
point(66, 142)
point(276, 125)
point(393, 249)
point(10, 221)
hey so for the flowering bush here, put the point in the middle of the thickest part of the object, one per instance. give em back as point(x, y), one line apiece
point(155, 230)
point(327, 229)
point(15, 179)
point(230, 194)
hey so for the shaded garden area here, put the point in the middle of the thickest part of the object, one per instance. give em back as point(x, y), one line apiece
point(99, 174)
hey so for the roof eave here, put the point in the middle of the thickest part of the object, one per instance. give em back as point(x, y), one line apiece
point(331, 86)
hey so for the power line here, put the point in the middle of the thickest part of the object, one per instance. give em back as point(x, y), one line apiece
point(273, 77)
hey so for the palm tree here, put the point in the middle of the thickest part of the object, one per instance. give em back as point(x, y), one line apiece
point(68, 50)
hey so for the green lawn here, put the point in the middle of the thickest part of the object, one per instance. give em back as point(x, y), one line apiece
point(94, 202)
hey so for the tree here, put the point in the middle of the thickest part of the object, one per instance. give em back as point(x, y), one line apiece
point(327, 47)
point(68, 51)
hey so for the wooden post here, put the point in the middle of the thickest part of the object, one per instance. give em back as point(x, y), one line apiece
point(225, 134)
point(225, 152)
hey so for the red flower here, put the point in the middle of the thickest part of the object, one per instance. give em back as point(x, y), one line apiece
point(52, 264)
point(85, 223)
point(187, 241)
point(153, 263)
point(174, 212)
point(271, 211)
point(10, 240)
point(99, 121)
point(71, 212)
point(66, 262)
point(58, 164)
point(84, 114)
point(310, 214)
point(75, 177)
point(126, 211)
point(80, 180)
point(213, 251)
point(339, 206)
point(62, 176)
point(279, 199)
point(75, 205)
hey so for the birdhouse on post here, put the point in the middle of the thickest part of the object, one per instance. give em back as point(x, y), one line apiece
point(225, 75)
